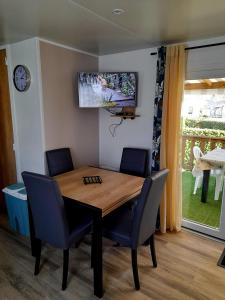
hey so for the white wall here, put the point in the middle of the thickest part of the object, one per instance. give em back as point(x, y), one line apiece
point(27, 108)
point(134, 133)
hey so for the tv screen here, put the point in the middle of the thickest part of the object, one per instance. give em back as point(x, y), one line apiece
point(107, 89)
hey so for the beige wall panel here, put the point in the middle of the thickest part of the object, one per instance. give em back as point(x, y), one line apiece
point(67, 125)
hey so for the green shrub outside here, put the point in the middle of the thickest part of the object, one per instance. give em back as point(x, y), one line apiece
point(201, 123)
point(203, 132)
point(201, 128)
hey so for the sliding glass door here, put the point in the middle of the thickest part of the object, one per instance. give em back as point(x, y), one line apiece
point(203, 132)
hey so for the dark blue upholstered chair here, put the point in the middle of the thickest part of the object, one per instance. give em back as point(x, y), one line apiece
point(132, 228)
point(59, 161)
point(50, 221)
point(135, 162)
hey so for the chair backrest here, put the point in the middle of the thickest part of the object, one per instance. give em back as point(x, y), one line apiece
point(47, 208)
point(146, 209)
point(59, 161)
point(135, 162)
point(197, 152)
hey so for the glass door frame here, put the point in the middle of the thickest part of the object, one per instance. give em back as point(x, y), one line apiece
point(208, 230)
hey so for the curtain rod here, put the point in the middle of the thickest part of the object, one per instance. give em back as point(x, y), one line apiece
point(198, 47)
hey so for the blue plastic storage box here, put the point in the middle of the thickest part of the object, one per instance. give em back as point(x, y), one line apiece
point(16, 203)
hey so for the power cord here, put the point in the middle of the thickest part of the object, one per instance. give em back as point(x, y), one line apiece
point(113, 127)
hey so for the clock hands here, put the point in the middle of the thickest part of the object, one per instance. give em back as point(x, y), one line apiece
point(21, 78)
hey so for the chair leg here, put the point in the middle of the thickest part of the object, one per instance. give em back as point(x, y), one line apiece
point(92, 253)
point(65, 268)
point(221, 186)
point(152, 248)
point(135, 269)
point(38, 257)
point(200, 181)
point(197, 184)
point(219, 182)
point(146, 243)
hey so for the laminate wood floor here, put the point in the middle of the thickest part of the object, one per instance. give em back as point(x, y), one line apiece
point(187, 269)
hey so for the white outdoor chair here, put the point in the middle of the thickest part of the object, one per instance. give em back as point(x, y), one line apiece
point(198, 174)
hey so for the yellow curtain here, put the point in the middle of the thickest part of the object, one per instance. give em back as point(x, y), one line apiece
point(170, 150)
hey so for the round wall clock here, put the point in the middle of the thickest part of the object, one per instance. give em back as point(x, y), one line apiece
point(21, 78)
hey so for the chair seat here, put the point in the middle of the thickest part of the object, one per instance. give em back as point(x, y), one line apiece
point(118, 226)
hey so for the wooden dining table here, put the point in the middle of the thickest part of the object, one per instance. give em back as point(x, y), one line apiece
point(100, 199)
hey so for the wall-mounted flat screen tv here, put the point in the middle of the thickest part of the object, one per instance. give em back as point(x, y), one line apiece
point(107, 89)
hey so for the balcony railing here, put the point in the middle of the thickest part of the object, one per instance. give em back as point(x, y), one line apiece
point(204, 142)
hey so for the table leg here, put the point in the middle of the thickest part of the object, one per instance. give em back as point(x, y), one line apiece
point(97, 254)
point(205, 185)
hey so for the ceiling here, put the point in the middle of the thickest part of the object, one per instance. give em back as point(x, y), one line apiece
point(90, 25)
point(205, 84)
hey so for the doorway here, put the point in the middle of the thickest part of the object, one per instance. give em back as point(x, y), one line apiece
point(7, 157)
point(203, 130)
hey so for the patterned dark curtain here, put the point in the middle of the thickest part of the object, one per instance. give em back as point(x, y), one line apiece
point(158, 108)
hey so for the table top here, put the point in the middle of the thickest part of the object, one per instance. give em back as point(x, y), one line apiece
point(115, 189)
point(215, 156)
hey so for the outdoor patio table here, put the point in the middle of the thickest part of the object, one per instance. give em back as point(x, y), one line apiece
point(212, 159)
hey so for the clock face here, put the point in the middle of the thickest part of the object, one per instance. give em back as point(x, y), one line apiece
point(21, 78)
